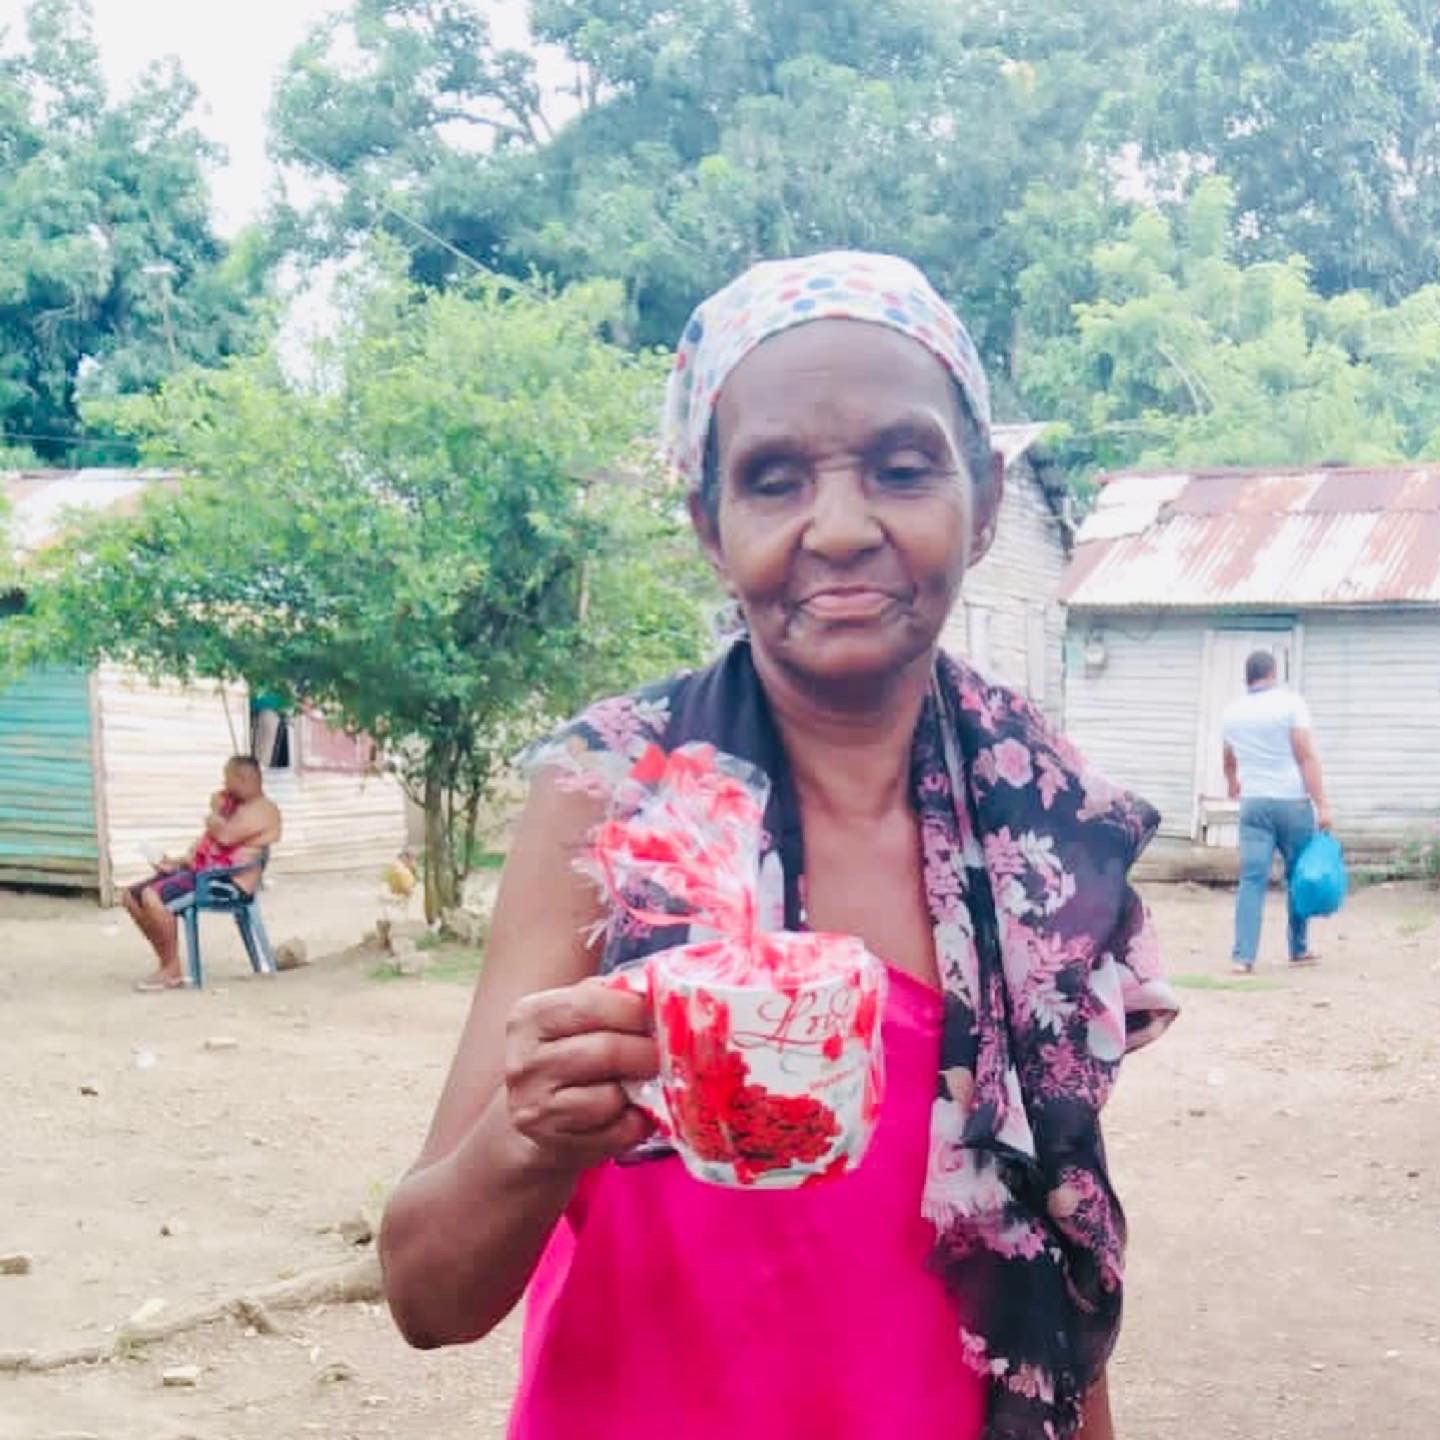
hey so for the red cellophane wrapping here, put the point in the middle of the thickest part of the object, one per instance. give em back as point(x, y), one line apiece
point(683, 846)
point(683, 849)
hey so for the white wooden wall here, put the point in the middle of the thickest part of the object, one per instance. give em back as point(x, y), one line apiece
point(1138, 718)
point(163, 749)
point(1372, 679)
point(1373, 683)
point(336, 822)
point(1008, 622)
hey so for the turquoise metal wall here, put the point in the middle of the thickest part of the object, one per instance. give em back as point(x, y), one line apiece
point(48, 834)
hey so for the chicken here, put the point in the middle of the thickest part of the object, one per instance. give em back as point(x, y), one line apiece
point(398, 885)
point(400, 878)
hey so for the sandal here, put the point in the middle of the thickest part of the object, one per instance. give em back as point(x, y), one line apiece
point(1304, 962)
point(158, 984)
point(1246, 972)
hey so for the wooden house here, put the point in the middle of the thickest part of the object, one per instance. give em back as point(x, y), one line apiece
point(1177, 577)
point(101, 771)
point(1009, 622)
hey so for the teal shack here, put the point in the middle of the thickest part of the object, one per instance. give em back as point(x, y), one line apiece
point(49, 826)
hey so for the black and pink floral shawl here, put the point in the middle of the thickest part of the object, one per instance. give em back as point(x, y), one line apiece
point(1051, 974)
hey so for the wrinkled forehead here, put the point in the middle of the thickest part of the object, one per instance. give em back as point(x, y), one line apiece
point(836, 380)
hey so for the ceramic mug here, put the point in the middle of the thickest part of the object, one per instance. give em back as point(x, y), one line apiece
point(771, 1075)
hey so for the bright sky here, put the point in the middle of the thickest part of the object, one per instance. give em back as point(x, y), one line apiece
point(232, 52)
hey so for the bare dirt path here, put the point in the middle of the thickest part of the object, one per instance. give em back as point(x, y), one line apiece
point(1279, 1154)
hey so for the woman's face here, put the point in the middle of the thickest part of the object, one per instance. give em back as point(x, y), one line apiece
point(846, 515)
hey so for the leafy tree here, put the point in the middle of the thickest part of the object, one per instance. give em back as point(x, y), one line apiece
point(111, 276)
point(1325, 115)
point(1176, 353)
point(704, 134)
point(414, 108)
point(444, 545)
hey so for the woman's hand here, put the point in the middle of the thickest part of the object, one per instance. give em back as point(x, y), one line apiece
point(567, 1054)
point(534, 1095)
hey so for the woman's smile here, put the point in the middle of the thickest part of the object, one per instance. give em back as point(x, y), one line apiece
point(849, 604)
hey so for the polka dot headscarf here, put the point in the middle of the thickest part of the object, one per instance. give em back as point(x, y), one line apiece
point(779, 294)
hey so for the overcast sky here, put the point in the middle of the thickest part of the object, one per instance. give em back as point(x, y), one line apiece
point(233, 52)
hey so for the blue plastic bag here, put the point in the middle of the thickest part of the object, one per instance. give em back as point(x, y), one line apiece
point(1319, 883)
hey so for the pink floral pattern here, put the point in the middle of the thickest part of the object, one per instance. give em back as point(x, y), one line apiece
point(1051, 973)
point(1013, 764)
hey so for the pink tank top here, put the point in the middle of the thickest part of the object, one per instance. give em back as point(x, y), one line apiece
point(664, 1309)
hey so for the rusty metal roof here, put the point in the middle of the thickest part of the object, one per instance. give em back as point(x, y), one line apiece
point(39, 503)
point(1286, 539)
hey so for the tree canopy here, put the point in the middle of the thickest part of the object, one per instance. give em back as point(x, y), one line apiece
point(700, 136)
point(1325, 116)
point(446, 544)
point(1001, 146)
point(1174, 351)
point(111, 274)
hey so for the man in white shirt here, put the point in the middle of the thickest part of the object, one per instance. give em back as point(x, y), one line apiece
point(1272, 768)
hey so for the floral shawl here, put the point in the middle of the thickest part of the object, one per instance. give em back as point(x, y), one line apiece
point(1050, 972)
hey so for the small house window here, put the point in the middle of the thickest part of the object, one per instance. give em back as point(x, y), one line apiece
point(270, 733)
point(324, 747)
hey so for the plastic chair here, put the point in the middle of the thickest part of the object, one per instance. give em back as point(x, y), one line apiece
point(216, 892)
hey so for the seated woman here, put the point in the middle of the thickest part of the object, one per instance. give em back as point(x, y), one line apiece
point(832, 419)
point(242, 822)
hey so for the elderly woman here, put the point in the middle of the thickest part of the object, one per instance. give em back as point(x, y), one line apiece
point(832, 419)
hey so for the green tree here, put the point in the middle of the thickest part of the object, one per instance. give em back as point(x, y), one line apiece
point(1325, 115)
point(417, 111)
point(443, 545)
point(704, 134)
point(111, 276)
point(1176, 353)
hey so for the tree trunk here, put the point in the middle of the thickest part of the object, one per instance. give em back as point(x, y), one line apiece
point(440, 883)
point(467, 840)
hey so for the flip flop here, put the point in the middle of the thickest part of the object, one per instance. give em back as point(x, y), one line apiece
point(158, 987)
point(1304, 962)
point(1246, 972)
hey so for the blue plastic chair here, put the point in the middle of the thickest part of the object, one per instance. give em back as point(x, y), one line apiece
point(216, 892)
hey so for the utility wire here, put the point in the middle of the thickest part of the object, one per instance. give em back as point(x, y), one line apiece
point(352, 184)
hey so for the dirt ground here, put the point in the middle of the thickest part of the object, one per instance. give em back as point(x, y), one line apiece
point(1279, 1154)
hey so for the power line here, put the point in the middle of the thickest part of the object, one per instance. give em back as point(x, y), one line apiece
point(425, 230)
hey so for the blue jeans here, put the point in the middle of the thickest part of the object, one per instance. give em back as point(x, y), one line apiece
point(1267, 826)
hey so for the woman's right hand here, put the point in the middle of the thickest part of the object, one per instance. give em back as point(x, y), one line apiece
point(567, 1054)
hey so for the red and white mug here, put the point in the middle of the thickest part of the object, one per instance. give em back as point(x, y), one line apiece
point(771, 1061)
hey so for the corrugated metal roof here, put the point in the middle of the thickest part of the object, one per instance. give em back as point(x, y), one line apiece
point(1291, 539)
point(40, 500)
point(1012, 441)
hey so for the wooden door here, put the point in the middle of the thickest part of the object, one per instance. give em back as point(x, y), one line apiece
point(1224, 680)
